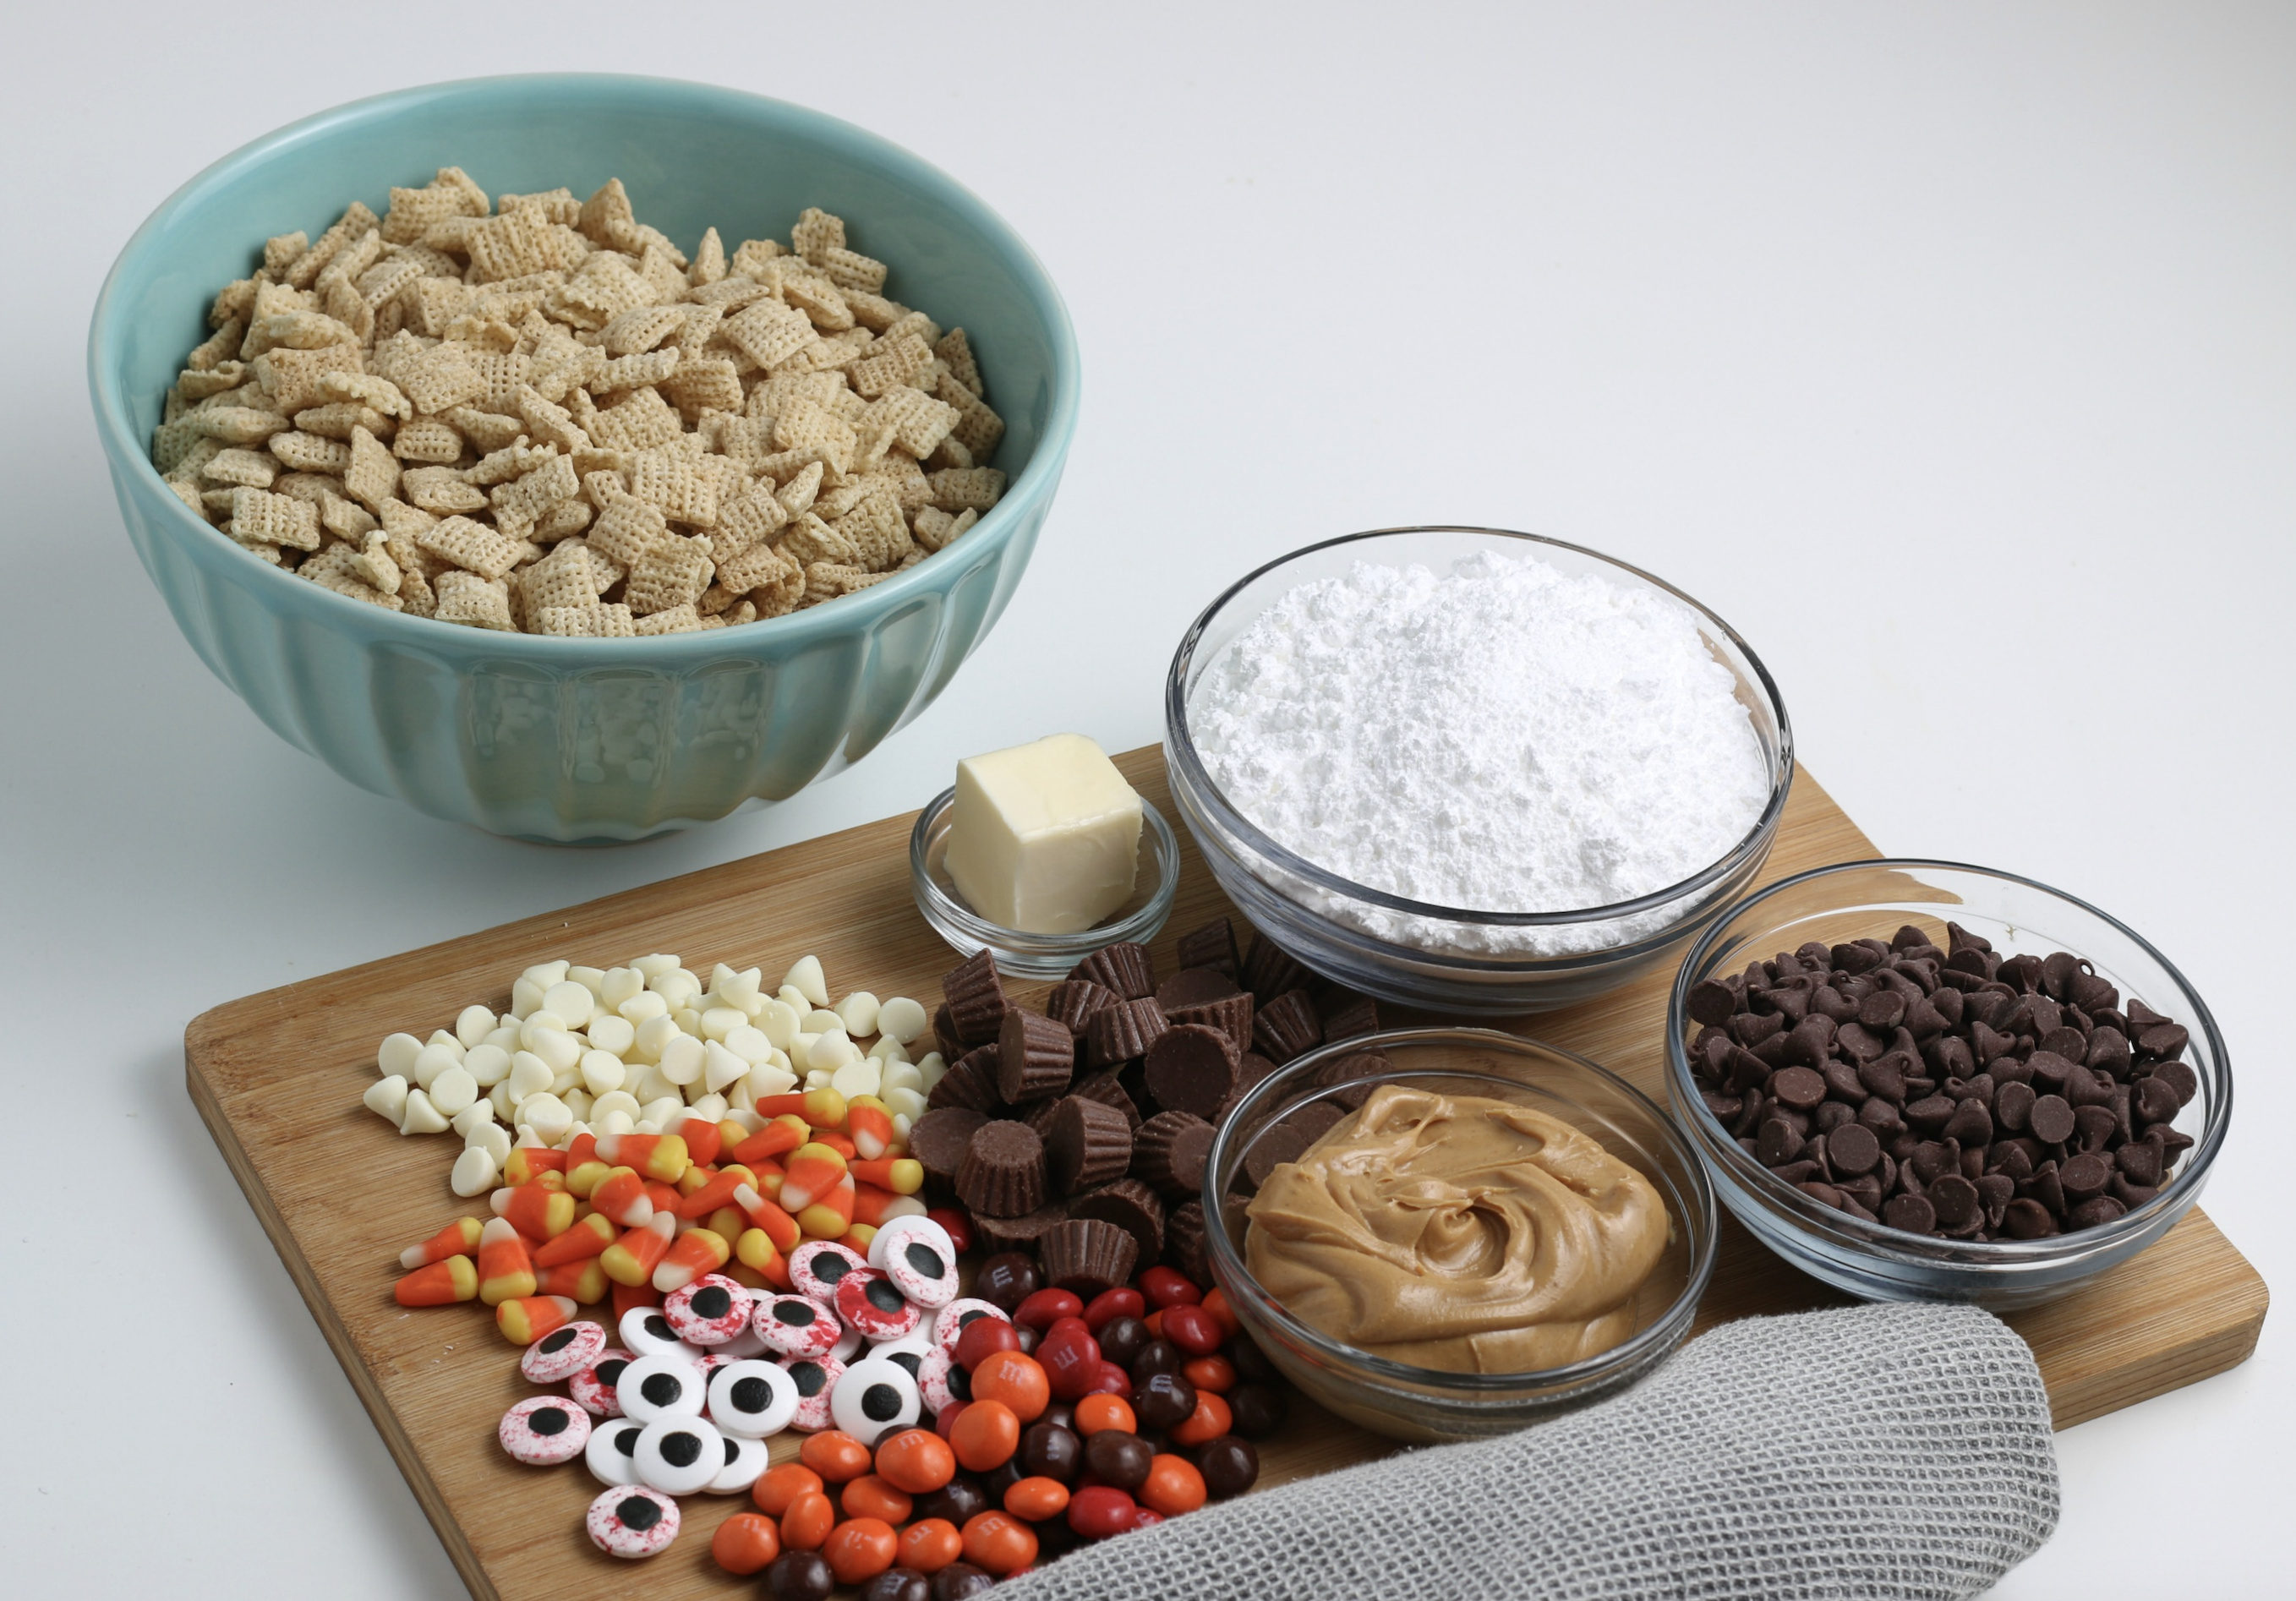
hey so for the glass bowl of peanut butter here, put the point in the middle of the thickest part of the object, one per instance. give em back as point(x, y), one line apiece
point(1446, 1233)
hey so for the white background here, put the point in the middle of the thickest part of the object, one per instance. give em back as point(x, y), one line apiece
point(1948, 351)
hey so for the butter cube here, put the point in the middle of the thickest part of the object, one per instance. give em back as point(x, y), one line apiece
point(1043, 837)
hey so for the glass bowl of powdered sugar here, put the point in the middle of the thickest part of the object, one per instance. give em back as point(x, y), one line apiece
point(1472, 770)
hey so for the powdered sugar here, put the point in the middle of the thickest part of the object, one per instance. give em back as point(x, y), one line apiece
point(1504, 738)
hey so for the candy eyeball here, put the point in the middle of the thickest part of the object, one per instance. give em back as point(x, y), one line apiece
point(910, 1350)
point(679, 1455)
point(752, 1399)
point(796, 1326)
point(815, 1267)
point(646, 1331)
point(874, 1394)
point(612, 1454)
point(745, 1464)
point(659, 1386)
point(708, 1312)
point(545, 1430)
point(593, 1388)
point(563, 1353)
point(814, 1378)
point(870, 1301)
point(632, 1522)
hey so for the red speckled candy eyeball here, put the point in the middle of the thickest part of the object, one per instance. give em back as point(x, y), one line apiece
point(815, 1267)
point(871, 1302)
point(795, 1325)
point(593, 1388)
point(709, 1311)
point(545, 1430)
point(816, 1379)
point(564, 1352)
point(632, 1520)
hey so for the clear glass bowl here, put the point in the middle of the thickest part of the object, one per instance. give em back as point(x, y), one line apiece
point(1319, 917)
point(1409, 1402)
point(1018, 954)
point(1857, 901)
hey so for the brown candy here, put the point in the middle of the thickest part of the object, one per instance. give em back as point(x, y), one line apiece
point(1211, 946)
point(1016, 1234)
point(1090, 1145)
point(1074, 1001)
point(1231, 1014)
point(974, 997)
point(1087, 1257)
point(1124, 1031)
point(1250, 1069)
point(1185, 1248)
point(970, 1081)
point(1268, 972)
point(1192, 986)
point(1108, 1088)
point(1126, 968)
point(1288, 1139)
point(1192, 1068)
point(1168, 1152)
point(1035, 1057)
point(939, 1140)
point(1286, 1026)
point(1130, 1206)
point(1003, 1173)
point(1355, 1014)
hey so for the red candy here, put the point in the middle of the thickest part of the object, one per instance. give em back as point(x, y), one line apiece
point(982, 1338)
point(1098, 1511)
point(959, 1226)
point(1110, 1380)
point(1165, 1288)
point(1071, 1359)
point(1048, 1306)
point(1192, 1329)
point(1114, 1303)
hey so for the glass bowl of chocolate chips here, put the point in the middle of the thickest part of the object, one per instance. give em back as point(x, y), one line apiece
point(1920, 1080)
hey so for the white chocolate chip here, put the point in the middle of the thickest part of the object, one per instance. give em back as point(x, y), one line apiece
point(488, 1063)
point(490, 1137)
point(654, 966)
point(478, 1114)
point(473, 1024)
point(721, 1020)
point(682, 1060)
point(621, 984)
point(902, 1075)
point(421, 1116)
point(602, 1072)
point(750, 1045)
point(642, 1007)
point(721, 1066)
point(929, 1067)
point(503, 1039)
point(432, 1061)
point(504, 1103)
point(902, 1019)
point(578, 1102)
point(794, 998)
point(612, 1102)
point(821, 1020)
point(888, 1049)
point(545, 1115)
point(452, 1091)
point(709, 1108)
point(571, 1001)
point(818, 1078)
point(529, 1075)
point(614, 1122)
point(902, 1102)
point(387, 1098)
point(653, 1037)
point(525, 997)
point(902, 1124)
point(475, 1172)
point(779, 1021)
point(832, 1051)
point(610, 1032)
point(556, 1046)
point(772, 1080)
point(446, 1042)
point(543, 974)
point(590, 977)
point(859, 1012)
point(665, 1113)
point(859, 1076)
point(396, 1055)
point(805, 978)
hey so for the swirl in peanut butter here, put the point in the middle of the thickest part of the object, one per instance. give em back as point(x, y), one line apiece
point(1458, 1233)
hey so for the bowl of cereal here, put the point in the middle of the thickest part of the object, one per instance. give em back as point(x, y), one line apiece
point(581, 456)
point(1477, 771)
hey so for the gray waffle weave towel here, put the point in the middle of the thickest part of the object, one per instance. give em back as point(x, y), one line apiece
point(1874, 1452)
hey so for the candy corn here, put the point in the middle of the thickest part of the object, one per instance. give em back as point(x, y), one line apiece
point(582, 1281)
point(876, 1207)
point(441, 1283)
point(527, 1320)
point(506, 1271)
point(657, 1156)
point(697, 1251)
point(830, 1214)
point(527, 1162)
point(586, 1240)
point(621, 1198)
point(777, 1138)
point(626, 1296)
point(702, 1140)
point(869, 1127)
point(902, 1174)
point(768, 1216)
point(811, 1173)
point(632, 1258)
point(717, 1193)
point(536, 1210)
point(458, 1238)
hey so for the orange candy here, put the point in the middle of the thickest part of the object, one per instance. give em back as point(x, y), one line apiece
point(777, 1138)
point(902, 1174)
point(438, 1283)
point(931, 1544)
point(835, 1455)
point(713, 1193)
point(626, 1296)
point(999, 1543)
point(871, 1128)
point(1173, 1487)
point(1014, 1379)
point(506, 1271)
point(621, 1198)
point(836, 1142)
point(1216, 1374)
point(831, 1217)
point(877, 1207)
point(811, 1173)
point(701, 1139)
point(777, 1487)
point(1216, 1303)
point(660, 1157)
point(1037, 1497)
point(860, 1548)
point(527, 1162)
point(770, 1216)
point(746, 1543)
point(632, 1258)
point(1209, 1421)
point(524, 1321)
point(753, 1248)
point(458, 1238)
point(698, 1251)
point(869, 1496)
point(916, 1461)
point(806, 1523)
point(588, 1238)
point(987, 1432)
point(536, 1210)
point(1095, 1413)
point(584, 1282)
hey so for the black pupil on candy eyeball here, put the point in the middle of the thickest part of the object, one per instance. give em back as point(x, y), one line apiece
point(883, 1295)
point(609, 1374)
point(796, 1314)
point(733, 1450)
point(960, 1384)
point(627, 1441)
point(749, 1395)
point(969, 1319)
point(925, 1260)
point(829, 1267)
point(662, 1389)
point(880, 1402)
point(637, 1512)
point(908, 1359)
point(712, 1303)
point(548, 1420)
point(658, 1328)
point(681, 1450)
point(560, 1340)
point(810, 1377)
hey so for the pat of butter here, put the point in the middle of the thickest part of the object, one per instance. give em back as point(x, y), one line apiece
point(1043, 837)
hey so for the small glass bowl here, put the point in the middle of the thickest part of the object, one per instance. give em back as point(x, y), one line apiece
point(1857, 901)
point(1326, 921)
point(1017, 953)
point(1409, 1402)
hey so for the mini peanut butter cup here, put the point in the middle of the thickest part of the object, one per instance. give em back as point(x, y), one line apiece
point(1183, 1244)
point(1016, 1234)
point(1090, 1145)
point(1286, 1026)
point(938, 1141)
point(1211, 946)
point(1250, 1069)
point(1087, 1257)
point(1231, 1014)
point(1168, 1152)
point(1192, 1068)
point(971, 1081)
point(975, 997)
point(1125, 967)
point(1132, 1206)
point(1124, 1031)
point(1354, 1014)
point(1073, 1002)
point(1269, 972)
point(945, 1034)
point(1039, 1116)
point(1192, 986)
point(1288, 1140)
point(1358, 1072)
point(1035, 1057)
point(1109, 1090)
point(1004, 1170)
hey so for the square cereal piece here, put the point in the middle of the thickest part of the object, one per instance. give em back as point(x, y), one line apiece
point(753, 516)
point(485, 430)
point(716, 599)
point(956, 352)
point(636, 371)
point(258, 518)
point(236, 467)
point(816, 231)
point(704, 383)
point(810, 540)
point(348, 386)
point(913, 321)
point(768, 332)
point(640, 421)
point(799, 491)
point(873, 312)
point(806, 425)
point(473, 602)
point(568, 517)
point(877, 531)
point(439, 379)
point(977, 429)
point(310, 453)
point(709, 261)
point(967, 488)
point(346, 520)
point(936, 528)
point(606, 213)
point(818, 298)
point(636, 332)
point(335, 421)
point(280, 251)
point(890, 362)
point(190, 466)
point(218, 348)
point(833, 580)
point(171, 442)
point(852, 270)
point(750, 255)
point(676, 619)
point(783, 390)
point(755, 568)
point(534, 493)
point(550, 424)
point(503, 374)
point(372, 563)
point(820, 355)
point(746, 442)
point(564, 577)
point(335, 569)
point(424, 439)
point(310, 488)
point(565, 622)
point(676, 482)
point(355, 223)
point(440, 490)
point(415, 596)
point(434, 305)
point(673, 572)
point(729, 294)
point(900, 473)
point(780, 597)
point(601, 484)
point(239, 424)
point(948, 453)
point(614, 621)
point(515, 460)
point(469, 545)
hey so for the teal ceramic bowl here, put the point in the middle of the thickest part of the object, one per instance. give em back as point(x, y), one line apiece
point(579, 739)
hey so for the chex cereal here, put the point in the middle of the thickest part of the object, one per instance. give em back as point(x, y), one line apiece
point(535, 414)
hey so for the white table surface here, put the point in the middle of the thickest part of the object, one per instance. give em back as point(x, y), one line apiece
point(1948, 351)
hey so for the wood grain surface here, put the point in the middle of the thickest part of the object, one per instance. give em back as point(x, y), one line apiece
point(277, 1078)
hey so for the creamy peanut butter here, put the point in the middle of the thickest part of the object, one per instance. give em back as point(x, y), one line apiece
point(1459, 1233)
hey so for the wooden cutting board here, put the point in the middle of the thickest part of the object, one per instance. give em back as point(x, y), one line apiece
point(278, 1076)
